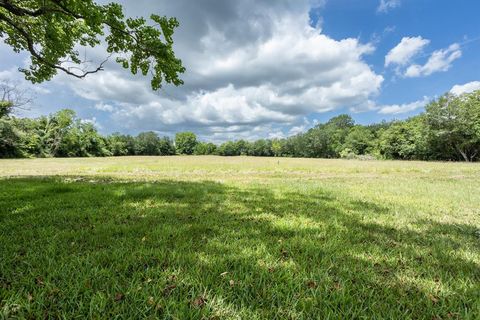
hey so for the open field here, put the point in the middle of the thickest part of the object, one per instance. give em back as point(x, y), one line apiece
point(230, 238)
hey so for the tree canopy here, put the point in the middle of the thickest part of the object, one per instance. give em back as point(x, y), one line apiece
point(449, 129)
point(455, 122)
point(185, 142)
point(52, 31)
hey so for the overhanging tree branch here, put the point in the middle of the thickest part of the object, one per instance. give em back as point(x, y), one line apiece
point(42, 59)
point(50, 30)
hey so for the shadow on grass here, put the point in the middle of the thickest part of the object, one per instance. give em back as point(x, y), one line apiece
point(203, 249)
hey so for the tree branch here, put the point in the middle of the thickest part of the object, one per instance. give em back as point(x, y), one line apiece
point(34, 53)
point(19, 11)
point(21, 19)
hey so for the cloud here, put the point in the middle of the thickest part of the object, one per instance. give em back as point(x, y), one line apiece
point(104, 107)
point(403, 53)
point(6, 75)
point(392, 109)
point(409, 48)
point(387, 5)
point(110, 85)
point(368, 105)
point(302, 127)
point(253, 68)
point(439, 61)
point(403, 108)
point(466, 88)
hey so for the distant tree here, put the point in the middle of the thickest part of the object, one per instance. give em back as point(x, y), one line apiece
point(166, 146)
point(341, 122)
point(185, 142)
point(150, 144)
point(338, 129)
point(277, 147)
point(117, 144)
point(147, 143)
point(10, 136)
point(203, 148)
point(405, 140)
point(454, 123)
point(29, 136)
point(54, 130)
point(449, 130)
point(242, 147)
point(359, 140)
point(326, 140)
point(121, 145)
point(229, 148)
point(298, 146)
point(6, 108)
point(50, 31)
point(318, 143)
point(375, 128)
point(235, 148)
point(261, 148)
point(92, 144)
point(129, 143)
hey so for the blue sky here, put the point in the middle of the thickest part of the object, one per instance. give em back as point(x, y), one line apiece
point(442, 22)
point(271, 69)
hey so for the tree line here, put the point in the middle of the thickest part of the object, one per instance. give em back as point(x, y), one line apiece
point(448, 130)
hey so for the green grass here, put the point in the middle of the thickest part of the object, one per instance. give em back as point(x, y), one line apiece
point(239, 238)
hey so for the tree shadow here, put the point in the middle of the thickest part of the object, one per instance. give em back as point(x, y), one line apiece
point(90, 248)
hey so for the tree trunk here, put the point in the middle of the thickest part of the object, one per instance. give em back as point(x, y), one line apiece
point(472, 157)
point(464, 154)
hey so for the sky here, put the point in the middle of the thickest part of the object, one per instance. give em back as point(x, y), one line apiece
point(267, 69)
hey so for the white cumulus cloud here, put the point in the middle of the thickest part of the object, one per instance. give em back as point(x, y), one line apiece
point(104, 107)
point(409, 48)
point(252, 67)
point(403, 53)
point(404, 108)
point(439, 61)
point(465, 88)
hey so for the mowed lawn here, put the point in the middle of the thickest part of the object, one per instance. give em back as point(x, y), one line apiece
point(239, 238)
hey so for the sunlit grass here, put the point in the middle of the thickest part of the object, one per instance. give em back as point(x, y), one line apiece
point(192, 237)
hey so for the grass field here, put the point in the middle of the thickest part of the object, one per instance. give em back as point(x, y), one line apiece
point(239, 238)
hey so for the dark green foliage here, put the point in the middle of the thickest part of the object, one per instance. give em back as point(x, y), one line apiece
point(10, 139)
point(121, 145)
point(51, 31)
point(166, 146)
point(405, 140)
point(235, 148)
point(203, 148)
point(454, 123)
point(60, 134)
point(324, 140)
point(229, 148)
point(149, 143)
point(185, 142)
point(360, 140)
point(261, 148)
point(5, 108)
